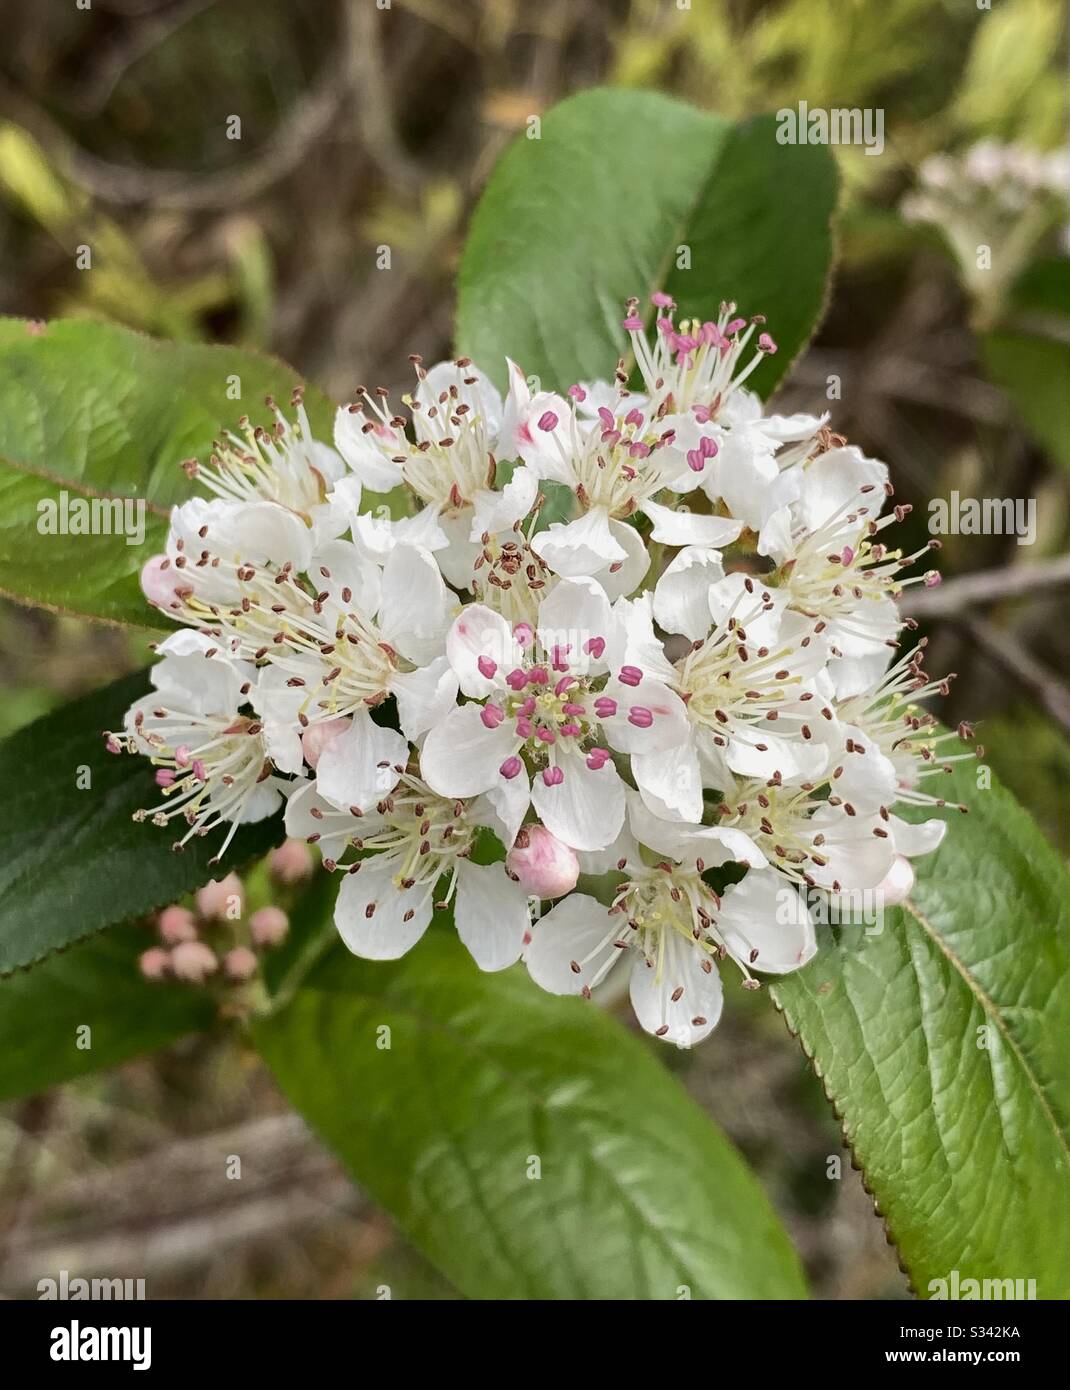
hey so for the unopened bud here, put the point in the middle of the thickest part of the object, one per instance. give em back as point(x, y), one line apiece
point(897, 882)
point(291, 862)
point(159, 584)
point(154, 963)
point(240, 964)
point(176, 924)
point(215, 899)
point(194, 961)
point(268, 926)
point(544, 866)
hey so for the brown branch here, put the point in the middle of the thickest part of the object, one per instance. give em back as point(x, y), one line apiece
point(955, 596)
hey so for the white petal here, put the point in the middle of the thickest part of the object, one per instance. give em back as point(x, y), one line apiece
point(586, 810)
point(684, 841)
point(461, 756)
point(681, 527)
point(578, 931)
point(670, 726)
point(473, 387)
point(670, 782)
point(457, 559)
point(500, 509)
point(360, 767)
point(694, 1015)
point(425, 696)
point(369, 453)
point(580, 547)
point(838, 484)
point(386, 934)
point(491, 913)
point(480, 634)
point(921, 838)
point(764, 913)
point(681, 595)
point(503, 807)
point(622, 577)
point(351, 566)
point(414, 613)
point(575, 611)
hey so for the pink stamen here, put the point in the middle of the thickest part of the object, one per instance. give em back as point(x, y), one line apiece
point(486, 666)
point(538, 675)
point(553, 776)
point(548, 422)
point(165, 777)
point(182, 755)
point(630, 675)
point(574, 709)
point(662, 300)
point(605, 707)
point(492, 715)
point(597, 758)
point(766, 344)
point(595, 646)
point(570, 730)
point(633, 323)
point(524, 633)
point(545, 735)
point(511, 768)
point(577, 393)
point(527, 708)
point(565, 683)
point(640, 716)
point(199, 770)
point(516, 679)
point(524, 727)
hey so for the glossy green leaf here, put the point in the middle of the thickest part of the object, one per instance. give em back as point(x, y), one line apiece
point(528, 1144)
point(99, 412)
point(599, 207)
point(73, 859)
point(941, 1042)
point(95, 986)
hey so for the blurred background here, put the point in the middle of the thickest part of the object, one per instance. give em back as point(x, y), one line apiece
point(362, 126)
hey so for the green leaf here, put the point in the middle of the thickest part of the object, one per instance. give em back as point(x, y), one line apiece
point(97, 412)
point(74, 861)
point(1029, 356)
point(941, 1044)
point(94, 985)
point(637, 1193)
point(573, 223)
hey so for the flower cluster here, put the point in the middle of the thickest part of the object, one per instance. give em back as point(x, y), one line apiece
point(218, 932)
point(687, 687)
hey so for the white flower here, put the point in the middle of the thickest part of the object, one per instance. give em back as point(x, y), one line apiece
point(211, 757)
point(746, 686)
point(542, 702)
point(615, 464)
point(675, 928)
point(285, 465)
point(410, 841)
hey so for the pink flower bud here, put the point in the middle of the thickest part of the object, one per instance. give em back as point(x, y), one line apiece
point(176, 924)
point(291, 862)
point(154, 963)
point(268, 926)
point(194, 961)
point(160, 581)
point(897, 882)
point(224, 899)
point(240, 964)
point(316, 738)
point(544, 866)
